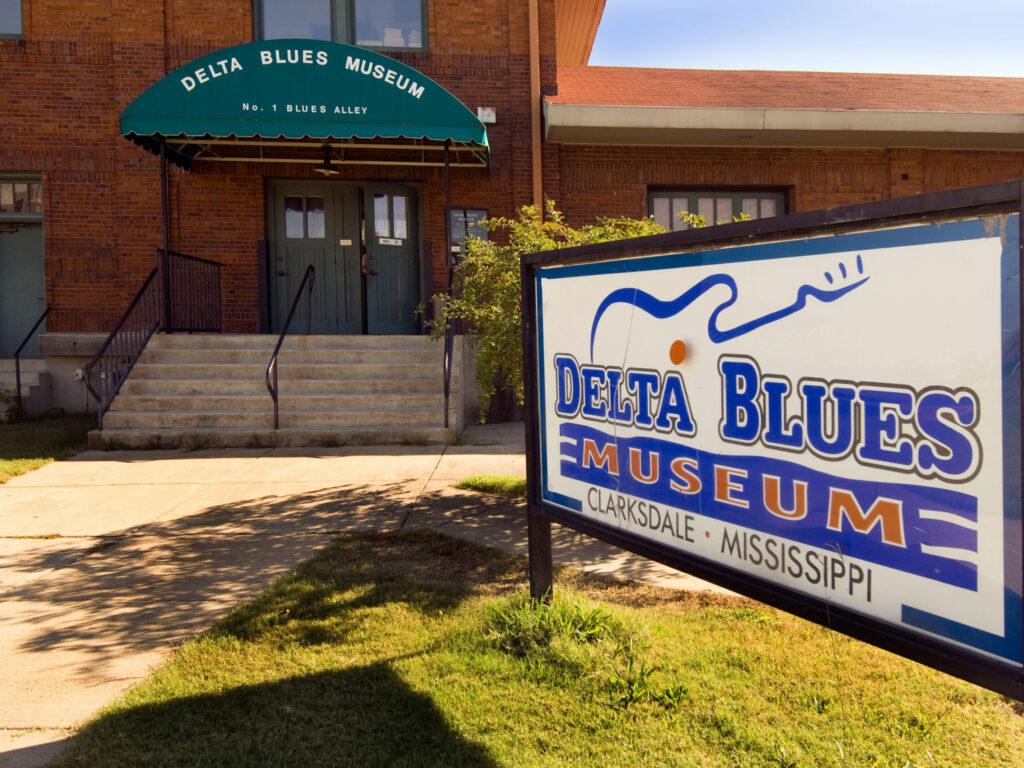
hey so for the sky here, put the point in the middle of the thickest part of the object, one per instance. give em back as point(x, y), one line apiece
point(937, 37)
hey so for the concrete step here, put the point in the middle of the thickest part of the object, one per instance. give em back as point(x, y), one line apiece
point(193, 387)
point(257, 372)
point(289, 401)
point(421, 356)
point(28, 365)
point(264, 418)
point(292, 341)
point(147, 439)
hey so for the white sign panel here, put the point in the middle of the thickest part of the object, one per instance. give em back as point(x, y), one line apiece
point(838, 416)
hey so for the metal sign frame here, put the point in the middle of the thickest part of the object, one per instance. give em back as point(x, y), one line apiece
point(1006, 199)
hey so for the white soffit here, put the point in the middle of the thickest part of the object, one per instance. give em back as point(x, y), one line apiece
point(724, 127)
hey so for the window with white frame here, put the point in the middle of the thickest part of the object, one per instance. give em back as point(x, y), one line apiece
point(390, 25)
point(10, 18)
point(715, 206)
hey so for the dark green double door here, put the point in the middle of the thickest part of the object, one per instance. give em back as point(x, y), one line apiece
point(22, 287)
point(362, 241)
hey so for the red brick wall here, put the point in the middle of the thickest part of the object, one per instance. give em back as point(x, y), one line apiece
point(82, 61)
point(613, 181)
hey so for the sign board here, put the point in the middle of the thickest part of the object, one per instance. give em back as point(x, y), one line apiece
point(825, 416)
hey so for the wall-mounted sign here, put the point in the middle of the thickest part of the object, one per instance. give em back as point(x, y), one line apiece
point(466, 223)
point(827, 420)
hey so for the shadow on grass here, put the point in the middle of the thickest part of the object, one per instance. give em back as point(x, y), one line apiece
point(364, 716)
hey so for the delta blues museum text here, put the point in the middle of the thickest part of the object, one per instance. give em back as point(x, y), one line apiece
point(912, 433)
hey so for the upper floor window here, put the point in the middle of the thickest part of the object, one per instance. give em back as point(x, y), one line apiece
point(10, 18)
point(715, 206)
point(382, 24)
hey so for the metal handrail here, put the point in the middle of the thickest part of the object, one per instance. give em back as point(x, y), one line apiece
point(449, 343)
point(191, 293)
point(124, 349)
point(310, 278)
point(17, 355)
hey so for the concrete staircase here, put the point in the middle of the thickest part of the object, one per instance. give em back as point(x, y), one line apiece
point(197, 391)
point(35, 387)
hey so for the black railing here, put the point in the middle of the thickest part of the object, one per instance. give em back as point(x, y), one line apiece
point(307, 281)
point(449, 340)
point(191, 293)
point(17, 356)
point(118, 354)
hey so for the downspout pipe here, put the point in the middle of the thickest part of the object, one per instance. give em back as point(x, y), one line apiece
point(535, 106)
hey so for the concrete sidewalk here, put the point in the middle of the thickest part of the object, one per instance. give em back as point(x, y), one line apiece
point(110, 559)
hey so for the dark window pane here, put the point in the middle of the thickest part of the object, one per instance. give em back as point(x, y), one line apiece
point(21, 198)
point(293, 215)
point(389, 23)
point(35, 198)
point(296, 18)
point(10, 17)
point(315, 218)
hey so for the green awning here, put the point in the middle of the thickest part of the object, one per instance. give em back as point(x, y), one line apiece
point(273, 99)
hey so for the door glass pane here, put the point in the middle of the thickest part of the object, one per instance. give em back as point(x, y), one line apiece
point(706, 208)
point(6, 197)
point(389, 23)
point(401, 219)
point(679, 205)
point(724, 211)
point(767, 207)
point(293, 216)
point(381, 223)
point(310, 19)
point(660, 212)
point(315, 218)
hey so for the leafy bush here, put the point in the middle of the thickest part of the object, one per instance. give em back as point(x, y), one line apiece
point(487, 289)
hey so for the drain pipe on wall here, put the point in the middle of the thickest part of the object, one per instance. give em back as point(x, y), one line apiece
point(535, 126)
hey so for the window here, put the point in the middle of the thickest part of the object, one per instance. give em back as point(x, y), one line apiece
point(716, 206)
point(390, 218)
point(304, 218)
point(390, 25)
point(21, 198)
point(10, 18)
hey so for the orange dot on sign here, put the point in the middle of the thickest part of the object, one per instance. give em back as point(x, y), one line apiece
point(707, 534)
point(677, 352)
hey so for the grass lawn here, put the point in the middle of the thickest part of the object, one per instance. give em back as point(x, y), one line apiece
point(503, 485)
point(412, 649)
point(28, 445)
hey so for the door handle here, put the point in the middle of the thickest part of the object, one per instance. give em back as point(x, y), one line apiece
point(281, 273)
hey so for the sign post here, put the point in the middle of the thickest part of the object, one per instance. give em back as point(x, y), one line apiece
point(820, 411)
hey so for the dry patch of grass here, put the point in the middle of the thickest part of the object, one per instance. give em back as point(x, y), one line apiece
point(30, 444)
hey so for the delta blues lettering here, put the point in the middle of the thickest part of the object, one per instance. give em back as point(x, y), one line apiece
point(926, 531)
point(929, 432)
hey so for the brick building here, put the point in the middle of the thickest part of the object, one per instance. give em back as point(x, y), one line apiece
point(84, 212)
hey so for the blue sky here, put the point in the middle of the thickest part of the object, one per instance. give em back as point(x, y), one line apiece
point(941, 37)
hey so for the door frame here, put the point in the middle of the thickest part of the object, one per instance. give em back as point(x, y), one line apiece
point(359, 188)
